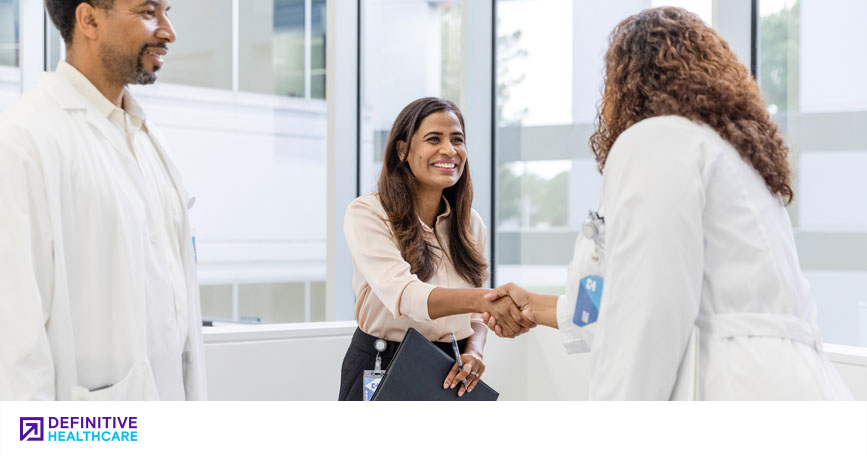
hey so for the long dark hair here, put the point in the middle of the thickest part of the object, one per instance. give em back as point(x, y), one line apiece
point(666, 61)
point(397, 194)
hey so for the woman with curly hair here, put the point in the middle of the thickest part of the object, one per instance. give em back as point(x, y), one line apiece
point(690, 260)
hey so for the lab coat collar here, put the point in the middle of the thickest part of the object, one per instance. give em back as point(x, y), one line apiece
point(84, 88)
point(69, 98)
point(72, 90)
point(62, 92)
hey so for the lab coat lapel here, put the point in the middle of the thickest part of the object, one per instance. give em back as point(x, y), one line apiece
point(73, 102)
point(102, 125)
point(187, 199)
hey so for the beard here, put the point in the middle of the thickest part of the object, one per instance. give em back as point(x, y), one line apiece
point(128, 68)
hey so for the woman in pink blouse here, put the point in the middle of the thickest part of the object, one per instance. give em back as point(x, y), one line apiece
point(418, 251)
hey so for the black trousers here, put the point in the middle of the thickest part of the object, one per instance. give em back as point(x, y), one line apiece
point(361, 356)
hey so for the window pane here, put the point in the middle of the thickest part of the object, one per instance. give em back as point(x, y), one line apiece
point(424, 62)
point(9, 33)
point(55, 48)
point(281, 302)
point(814, 88)
point(216, 302)
point(317, 50)
point(10, 76)
point(549, 75)
point(202, 54)
point(272, 47)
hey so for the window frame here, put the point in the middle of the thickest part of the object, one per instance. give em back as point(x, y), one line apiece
point(308, 43)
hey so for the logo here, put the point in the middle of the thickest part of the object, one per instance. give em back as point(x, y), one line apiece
point(31, 428)
point(79, 429)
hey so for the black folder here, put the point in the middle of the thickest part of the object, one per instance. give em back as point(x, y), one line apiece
point(418, 371)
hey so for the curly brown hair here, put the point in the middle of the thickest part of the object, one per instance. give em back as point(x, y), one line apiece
point(666, 61)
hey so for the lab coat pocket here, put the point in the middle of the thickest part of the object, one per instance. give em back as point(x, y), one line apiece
point(137, 385)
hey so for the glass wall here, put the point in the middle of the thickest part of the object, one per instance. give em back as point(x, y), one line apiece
point(549, 79)
point(280, 46)
point(409, 49)
point(202, 54)
point(317, 49)
point(245, 117)
point(10, 76)
point(9, 33)
point(811, 66)
point(272, 47)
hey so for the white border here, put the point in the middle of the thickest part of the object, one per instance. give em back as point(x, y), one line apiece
point(756, 428)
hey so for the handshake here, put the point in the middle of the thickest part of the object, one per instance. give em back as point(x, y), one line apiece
point(512, 310)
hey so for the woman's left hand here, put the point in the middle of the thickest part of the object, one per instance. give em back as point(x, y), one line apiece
point(473, 369)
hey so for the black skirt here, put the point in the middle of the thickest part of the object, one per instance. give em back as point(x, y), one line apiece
point(361, 356)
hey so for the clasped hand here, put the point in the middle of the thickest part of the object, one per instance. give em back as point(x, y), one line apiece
point(505, 316)
point(503, 321)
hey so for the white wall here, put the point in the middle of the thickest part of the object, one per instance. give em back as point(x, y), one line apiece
point(302, 362)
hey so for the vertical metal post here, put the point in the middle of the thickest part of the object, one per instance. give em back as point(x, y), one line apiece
point(308, 43)
point(479, 97)
point(342, 98)
point(236, 45)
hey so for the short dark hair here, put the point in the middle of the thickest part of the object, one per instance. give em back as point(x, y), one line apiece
point(62, 13)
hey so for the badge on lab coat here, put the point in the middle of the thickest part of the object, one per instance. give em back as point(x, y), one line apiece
point(589, 298)
point(578, 309)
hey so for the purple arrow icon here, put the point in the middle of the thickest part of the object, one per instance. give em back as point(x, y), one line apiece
point(31, 428)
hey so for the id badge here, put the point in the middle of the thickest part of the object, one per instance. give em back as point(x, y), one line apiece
point(371, 382)
point(589, 298)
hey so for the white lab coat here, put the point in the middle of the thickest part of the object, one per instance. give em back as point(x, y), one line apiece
point(695, 245)
point(72, 297)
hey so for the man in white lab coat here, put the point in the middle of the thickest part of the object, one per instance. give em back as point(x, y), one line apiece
point(98, 290)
